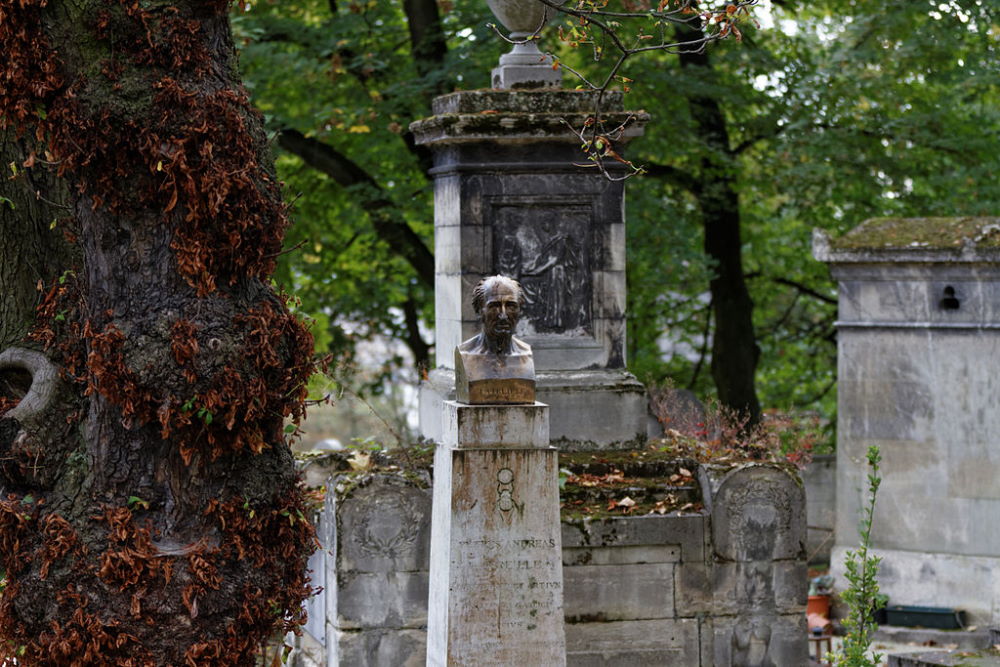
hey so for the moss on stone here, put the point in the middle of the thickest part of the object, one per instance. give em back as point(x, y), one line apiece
point(921, 234)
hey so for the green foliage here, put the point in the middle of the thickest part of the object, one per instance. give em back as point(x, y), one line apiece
point(862, 596)
point(135, 501)
point(347, 78)
point(840, 112)
point(836, 111)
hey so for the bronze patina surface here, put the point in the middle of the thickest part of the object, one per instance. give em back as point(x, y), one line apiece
point(495, 367)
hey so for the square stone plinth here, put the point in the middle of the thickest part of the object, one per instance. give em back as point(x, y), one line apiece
point(590, 410)
point(495, 426)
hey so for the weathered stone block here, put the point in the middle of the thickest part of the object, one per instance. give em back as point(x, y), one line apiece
point(383, 525)
point(687, 531)
point(759, 586)
point(759, 515)
point(760, 640)
point(381, 600)
point(496, 426)
point(790, 593)
point(593, 410)
point(619, 592)
point(380, 648)
point(625, 555)
point(695, 592)
point(633, 643)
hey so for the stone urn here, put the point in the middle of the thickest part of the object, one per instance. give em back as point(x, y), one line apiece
point(525, 66)
point(522, 17)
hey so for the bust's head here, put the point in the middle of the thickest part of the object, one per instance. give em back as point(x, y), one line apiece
point(498, 301)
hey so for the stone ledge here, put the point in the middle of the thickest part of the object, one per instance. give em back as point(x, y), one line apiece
point(618, 592)
point(948, 658)
point(963, 639)
point(686, 531)
point(524, 101)
point(864, 250)
point(517, 127)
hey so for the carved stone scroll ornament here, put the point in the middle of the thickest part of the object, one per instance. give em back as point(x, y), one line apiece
point(21, 422)
point(44, 383)
point(495, 367)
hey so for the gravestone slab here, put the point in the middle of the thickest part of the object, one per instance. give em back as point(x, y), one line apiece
point(496, 570)
point(377, 528)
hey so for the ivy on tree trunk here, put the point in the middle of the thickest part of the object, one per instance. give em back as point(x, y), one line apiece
point(150, 512)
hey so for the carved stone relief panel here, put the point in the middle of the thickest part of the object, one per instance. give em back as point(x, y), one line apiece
point(549, 248)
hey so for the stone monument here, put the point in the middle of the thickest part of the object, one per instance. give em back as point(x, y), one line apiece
point(496, 593)
point(918, 331)
point(511, 198)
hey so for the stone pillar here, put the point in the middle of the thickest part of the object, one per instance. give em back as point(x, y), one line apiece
point(512, 198)
point(918, 336)
point(496, 566)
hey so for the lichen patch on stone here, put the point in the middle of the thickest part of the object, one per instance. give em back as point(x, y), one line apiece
point(921, 233)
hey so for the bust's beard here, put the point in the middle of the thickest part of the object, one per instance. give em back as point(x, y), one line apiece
point(499, 343)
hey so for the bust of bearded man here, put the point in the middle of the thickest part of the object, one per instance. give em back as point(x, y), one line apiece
point(494, 366)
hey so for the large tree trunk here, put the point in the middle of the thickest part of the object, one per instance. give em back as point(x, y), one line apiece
point(734, 345)
point(149, 506)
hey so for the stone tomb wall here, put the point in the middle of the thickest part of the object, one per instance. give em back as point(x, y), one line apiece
point(721, 587)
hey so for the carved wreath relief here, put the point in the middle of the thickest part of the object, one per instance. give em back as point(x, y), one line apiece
point(384, 534)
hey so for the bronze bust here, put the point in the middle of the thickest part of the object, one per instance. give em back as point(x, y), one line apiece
point(495, 367)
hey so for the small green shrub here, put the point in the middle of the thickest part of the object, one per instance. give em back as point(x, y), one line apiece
point(862, 595)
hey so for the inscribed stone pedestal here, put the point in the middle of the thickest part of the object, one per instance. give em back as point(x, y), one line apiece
point(496, 567)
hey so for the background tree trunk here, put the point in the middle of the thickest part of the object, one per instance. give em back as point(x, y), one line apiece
point(734, 344)
point(150, 510)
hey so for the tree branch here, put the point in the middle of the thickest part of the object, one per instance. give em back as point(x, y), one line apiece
point(749, 142)
point(801, 287)
point(385, 216)
point(667, 172)
point(805, 290)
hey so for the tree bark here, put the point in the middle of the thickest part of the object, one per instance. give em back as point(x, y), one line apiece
point(734, 344)
point(31, 243)
point(150, 513)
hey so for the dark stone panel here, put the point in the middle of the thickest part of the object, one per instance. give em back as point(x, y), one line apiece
point(548, 248)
